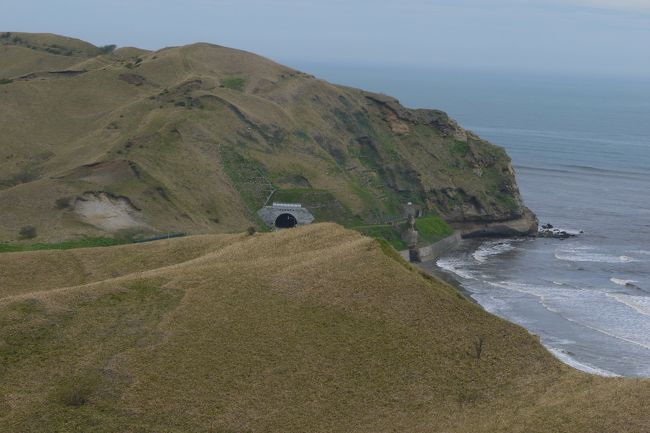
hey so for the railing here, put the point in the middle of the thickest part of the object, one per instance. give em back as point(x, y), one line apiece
point(293, 205)
point(160, 237)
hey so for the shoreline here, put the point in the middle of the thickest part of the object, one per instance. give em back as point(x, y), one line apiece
point(431, 268)
point(554, 341)
point(431, 253)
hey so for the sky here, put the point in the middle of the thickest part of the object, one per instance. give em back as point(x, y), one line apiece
point(583, 37)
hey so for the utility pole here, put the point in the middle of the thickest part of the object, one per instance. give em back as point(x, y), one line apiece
point(412, 235)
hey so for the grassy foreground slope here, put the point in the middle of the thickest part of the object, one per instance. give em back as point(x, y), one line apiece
point(312, 329)
point(198, 138)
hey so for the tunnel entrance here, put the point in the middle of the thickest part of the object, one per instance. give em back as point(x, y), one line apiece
point(286, 221)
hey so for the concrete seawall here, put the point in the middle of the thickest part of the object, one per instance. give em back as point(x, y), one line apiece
point(435, 250)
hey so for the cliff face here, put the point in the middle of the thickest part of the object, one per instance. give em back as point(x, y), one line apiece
point(473, 183)
point(197, 138)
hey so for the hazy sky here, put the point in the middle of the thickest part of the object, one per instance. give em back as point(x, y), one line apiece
point(560, 36)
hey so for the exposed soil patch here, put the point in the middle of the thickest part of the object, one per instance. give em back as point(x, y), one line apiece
point(108, 212)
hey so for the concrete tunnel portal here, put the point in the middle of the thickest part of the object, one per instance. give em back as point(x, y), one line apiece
point(285, 215)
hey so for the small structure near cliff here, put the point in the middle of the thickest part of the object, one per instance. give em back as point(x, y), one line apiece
point(410, 236)
point(285, 215)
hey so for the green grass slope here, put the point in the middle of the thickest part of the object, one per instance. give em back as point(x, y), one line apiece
point(197, 138)
point(314, 329)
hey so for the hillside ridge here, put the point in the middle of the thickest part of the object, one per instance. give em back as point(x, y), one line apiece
point(197, 138)
point(312, 329)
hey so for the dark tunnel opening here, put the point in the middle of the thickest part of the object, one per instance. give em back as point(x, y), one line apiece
point(286, 221)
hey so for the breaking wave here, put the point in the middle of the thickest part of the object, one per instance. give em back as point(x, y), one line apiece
point(586, 254)
point(574, 306)
point(567, 359)
point(456, 266)
point(492, 248)
point(640, 304)
point(623, 283)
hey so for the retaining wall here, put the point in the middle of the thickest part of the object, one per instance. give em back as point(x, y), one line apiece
point(435, 250)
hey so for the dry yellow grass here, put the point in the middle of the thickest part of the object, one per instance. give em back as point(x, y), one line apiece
point(315, 329)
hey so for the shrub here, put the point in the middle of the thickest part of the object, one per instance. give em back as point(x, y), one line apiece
point(303, 135)
point(62, 203)
point(107, 49)
point(478, 347)
point(251, 231)
point(76, 391)
point(27, 232)
point(467, 396)
point(234, 83)
point(6, 81)
point(460, 148)
point(432, 228)
point(74, 397)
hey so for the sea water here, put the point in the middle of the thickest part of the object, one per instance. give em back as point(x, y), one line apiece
point(581, 150)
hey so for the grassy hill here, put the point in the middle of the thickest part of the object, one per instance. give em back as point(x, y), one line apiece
point(312, 329)
point(98, 142)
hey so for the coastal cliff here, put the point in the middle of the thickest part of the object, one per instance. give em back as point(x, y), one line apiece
point(526, 225)
point(198, 138)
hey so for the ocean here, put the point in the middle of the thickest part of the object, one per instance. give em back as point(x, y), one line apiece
point(581, 150)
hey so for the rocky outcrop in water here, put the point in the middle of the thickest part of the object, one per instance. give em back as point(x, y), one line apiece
point(548, 231)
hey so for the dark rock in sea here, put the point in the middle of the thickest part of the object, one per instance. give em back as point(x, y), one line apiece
point(547, 231)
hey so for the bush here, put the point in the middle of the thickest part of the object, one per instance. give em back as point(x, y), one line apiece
point(6, 81)
point(74, 397)
point(234, 83)
point(27, 232)
point(478, 347)
point(251, 231)
point(432, 228)
point(107, 49)
point(62, 203)
point(460, 148)
point(76, 391)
